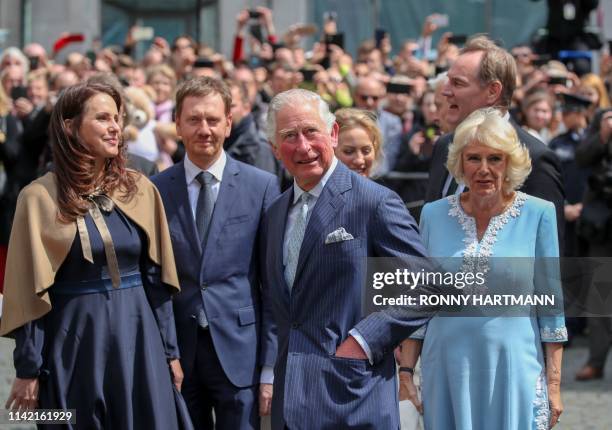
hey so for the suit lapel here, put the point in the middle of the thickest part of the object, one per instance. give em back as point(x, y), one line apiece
point(183, 207)
point(328, 204)
point(443, 172)
point(226, 199)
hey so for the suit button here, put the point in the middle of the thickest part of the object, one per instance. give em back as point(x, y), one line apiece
point(204, 286)
point(295, 325)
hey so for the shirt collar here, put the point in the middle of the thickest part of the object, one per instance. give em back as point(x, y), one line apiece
point(318, 189)
point(216, 169)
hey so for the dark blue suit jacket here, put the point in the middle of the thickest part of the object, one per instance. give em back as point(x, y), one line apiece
point(225, 277)
point(312, 388)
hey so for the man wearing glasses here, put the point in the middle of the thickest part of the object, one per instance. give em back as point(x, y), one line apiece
point(368, 95)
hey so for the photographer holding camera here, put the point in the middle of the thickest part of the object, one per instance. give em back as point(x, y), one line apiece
point(595, 225)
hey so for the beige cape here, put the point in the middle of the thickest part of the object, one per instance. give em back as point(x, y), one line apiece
point(39, 244)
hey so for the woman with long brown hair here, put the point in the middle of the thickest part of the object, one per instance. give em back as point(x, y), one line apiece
point(88, 293)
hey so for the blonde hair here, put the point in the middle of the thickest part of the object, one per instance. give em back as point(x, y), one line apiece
point(594, 81)
point(487, 127)
point(16, 53)
point(349, 118)
point(164, 70)
point(5, 105)
point(534, 97)
point(36, 75)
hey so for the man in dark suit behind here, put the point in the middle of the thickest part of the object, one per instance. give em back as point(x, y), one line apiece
point(246, 143)
point(485, 75)
point(335, 366)
point(214, 205)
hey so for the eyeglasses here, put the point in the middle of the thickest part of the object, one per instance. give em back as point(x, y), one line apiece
point(368, 96)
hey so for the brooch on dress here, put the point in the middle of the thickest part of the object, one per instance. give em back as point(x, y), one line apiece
point(101, 200)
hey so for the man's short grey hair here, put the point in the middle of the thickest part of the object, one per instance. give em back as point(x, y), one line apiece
point(435, 82)
point(297, 97)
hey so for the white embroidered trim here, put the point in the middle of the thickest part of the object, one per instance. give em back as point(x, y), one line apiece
point(476, 254)
point(549, 335)
point(541, 413)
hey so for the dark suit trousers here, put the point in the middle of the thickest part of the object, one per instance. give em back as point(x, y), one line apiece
point(208, 389)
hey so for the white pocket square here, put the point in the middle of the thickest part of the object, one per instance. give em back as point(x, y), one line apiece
point(339, 235)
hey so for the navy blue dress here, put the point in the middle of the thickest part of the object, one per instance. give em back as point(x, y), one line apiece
point(105, 351)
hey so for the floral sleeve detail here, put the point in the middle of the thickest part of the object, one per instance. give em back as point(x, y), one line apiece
point(541, 413)
point(558, 334)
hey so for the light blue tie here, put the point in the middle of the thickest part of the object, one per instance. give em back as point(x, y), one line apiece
point(296, 236)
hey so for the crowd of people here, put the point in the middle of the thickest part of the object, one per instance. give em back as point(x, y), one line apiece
point(273, 174)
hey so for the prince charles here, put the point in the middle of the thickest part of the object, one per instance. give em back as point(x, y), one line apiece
point(335, 366)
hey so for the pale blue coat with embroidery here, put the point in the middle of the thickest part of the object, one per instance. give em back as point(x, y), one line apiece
point(488, 372)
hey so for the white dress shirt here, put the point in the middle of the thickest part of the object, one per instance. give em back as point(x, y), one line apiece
point(193, 186)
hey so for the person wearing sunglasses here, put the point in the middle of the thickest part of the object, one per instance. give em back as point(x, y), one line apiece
point(369, 94)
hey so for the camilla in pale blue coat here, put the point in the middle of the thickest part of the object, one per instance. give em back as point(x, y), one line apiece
point(492, 371)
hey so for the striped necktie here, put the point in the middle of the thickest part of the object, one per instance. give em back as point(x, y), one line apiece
point(296, 236)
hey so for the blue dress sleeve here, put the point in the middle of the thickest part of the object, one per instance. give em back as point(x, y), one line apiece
point(547, 277)
point(160, 299)
point(29, 342)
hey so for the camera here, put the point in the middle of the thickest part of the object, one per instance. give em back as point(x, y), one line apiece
point(19, 92)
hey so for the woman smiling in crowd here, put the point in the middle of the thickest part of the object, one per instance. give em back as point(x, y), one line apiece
point(359, 140)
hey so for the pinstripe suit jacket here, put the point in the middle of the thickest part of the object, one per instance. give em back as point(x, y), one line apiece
point(312, 388)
